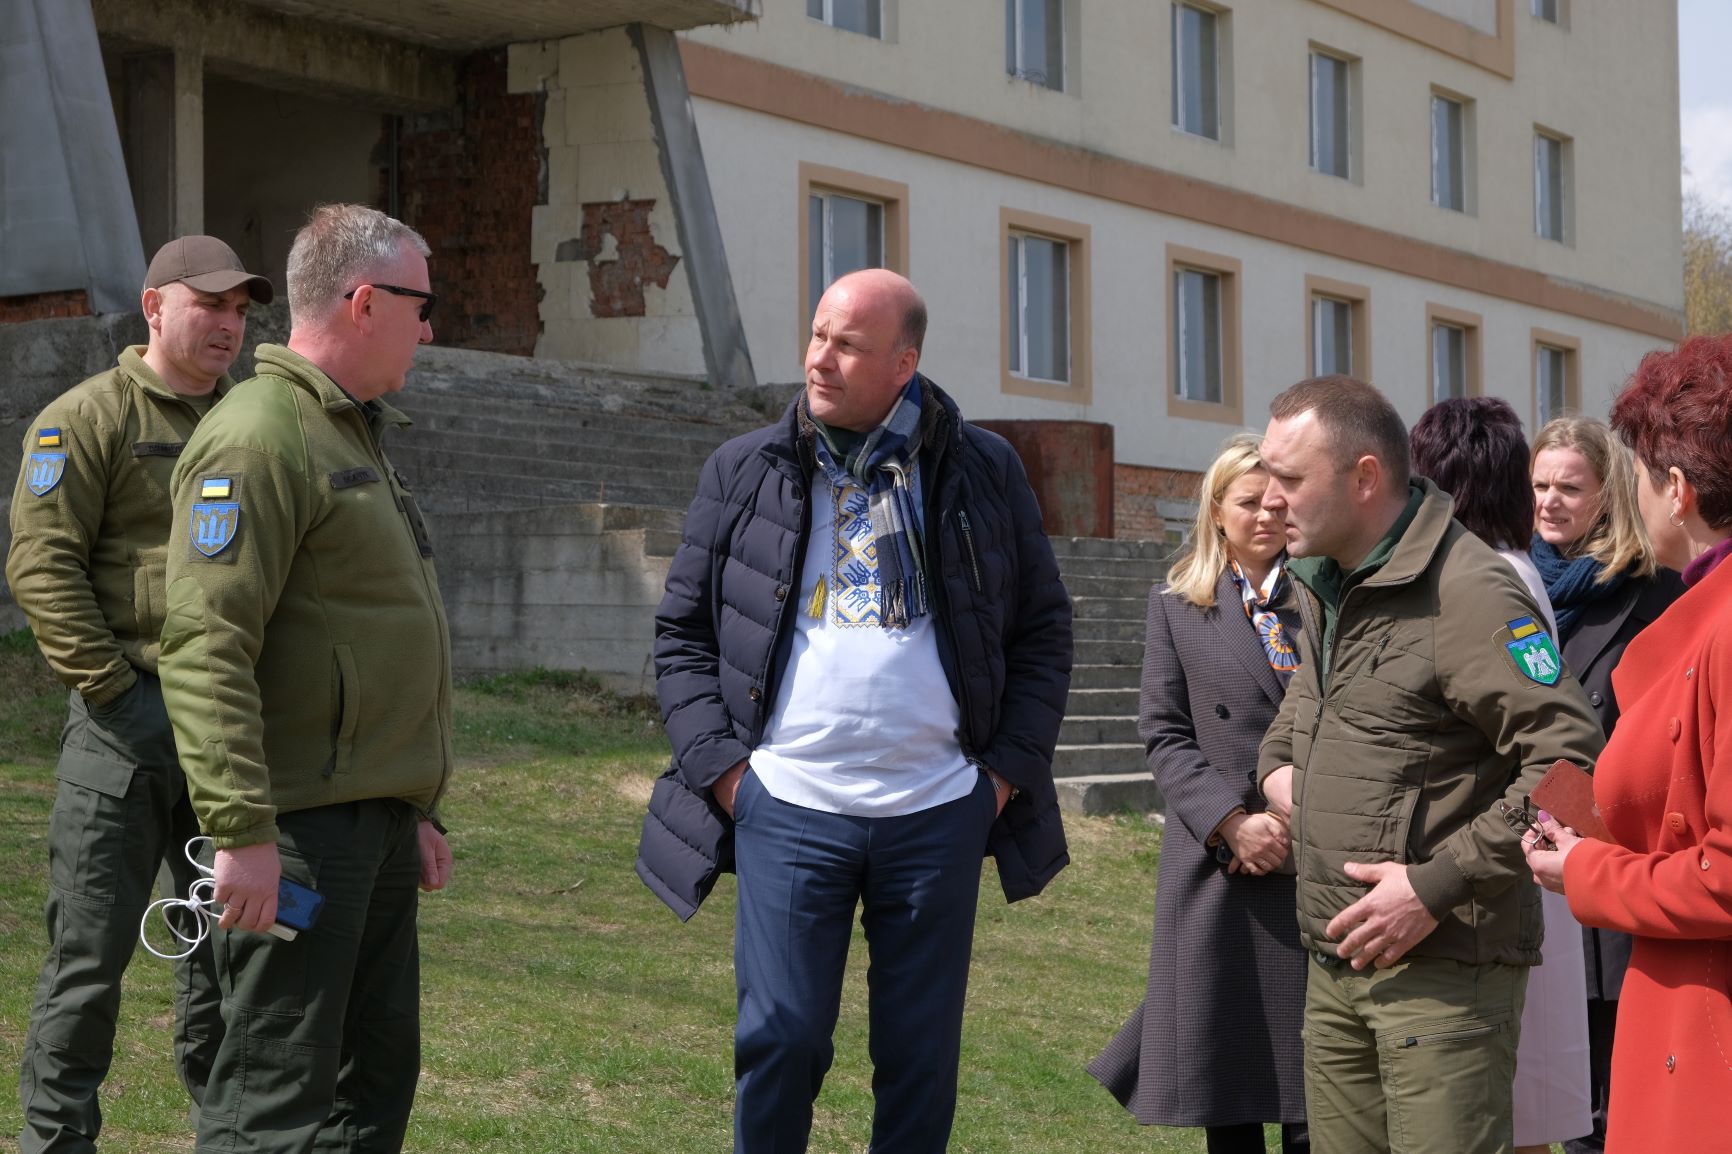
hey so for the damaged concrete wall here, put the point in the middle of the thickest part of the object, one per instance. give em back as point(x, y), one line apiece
point(605, 244)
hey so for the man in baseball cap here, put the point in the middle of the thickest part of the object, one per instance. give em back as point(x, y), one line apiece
point(90, 533)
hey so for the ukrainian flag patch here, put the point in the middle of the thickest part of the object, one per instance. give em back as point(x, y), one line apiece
point(47, 438)
point(1532, 651)
point(215, 489)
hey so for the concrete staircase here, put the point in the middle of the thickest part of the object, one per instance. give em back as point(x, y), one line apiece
point(1099, 762)
point(494, 432)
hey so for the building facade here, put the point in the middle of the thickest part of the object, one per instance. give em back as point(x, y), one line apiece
point(1152, 214)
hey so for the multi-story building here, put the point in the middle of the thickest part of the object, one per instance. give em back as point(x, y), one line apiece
point(1158, 215)
point(1152, 214)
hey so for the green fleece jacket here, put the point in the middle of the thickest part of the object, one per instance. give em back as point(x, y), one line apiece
point(90, 523)
point(1444, 697)
point(305, 656)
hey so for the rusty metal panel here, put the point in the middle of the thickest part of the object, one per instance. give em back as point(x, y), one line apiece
point(1070, 465)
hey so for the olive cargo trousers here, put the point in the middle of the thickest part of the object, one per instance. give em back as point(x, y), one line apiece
point(120, 810)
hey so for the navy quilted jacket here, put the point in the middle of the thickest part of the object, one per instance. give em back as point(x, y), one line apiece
point(726, 625)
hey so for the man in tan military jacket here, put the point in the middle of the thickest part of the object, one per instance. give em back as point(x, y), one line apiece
point(308, 670)
point(1428, 693)
point(90, 530)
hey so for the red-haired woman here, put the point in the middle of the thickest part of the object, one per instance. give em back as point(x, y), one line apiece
point(1664, 784)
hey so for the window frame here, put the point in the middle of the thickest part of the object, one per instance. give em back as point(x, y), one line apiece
point(1351, 112)
point(824, 180)
point(1016, 66)
point(1218, 135)
point(1571, 348)
point(1472, 325)
point(1565, 182)
point(1560, 17)
point(1466, 168)
point(828, 18)
point(1079, 390)
point(1231, 407)
point(1357, 297)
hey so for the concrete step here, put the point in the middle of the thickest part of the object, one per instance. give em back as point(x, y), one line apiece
point(1086, 729)
point(445, 459)
point(1102, 702)
point(514, 436)
point(1099, 794)
point(533, 424)
point(1107, 608)
point(1109, 629)
point(1099, 675)
point(1106, 757)
point(1126, 653)
point(1081, 583)
point(475, 493)
point(1117, 548)
point(1145, 570)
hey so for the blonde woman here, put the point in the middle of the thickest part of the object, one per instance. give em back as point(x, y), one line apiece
point(1215, 1042)
point(1599, 571)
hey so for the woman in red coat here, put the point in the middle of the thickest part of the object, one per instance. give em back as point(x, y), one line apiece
point(1664, 783)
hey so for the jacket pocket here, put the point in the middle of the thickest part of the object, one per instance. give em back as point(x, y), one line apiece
point(347, 710)
point(148, 599)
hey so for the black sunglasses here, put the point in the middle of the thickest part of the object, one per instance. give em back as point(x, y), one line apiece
point(428, 300)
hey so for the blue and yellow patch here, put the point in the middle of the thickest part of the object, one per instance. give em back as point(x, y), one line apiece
point(1533, 652)
point(215, 489)
point(44, 471)
point(47, 438)
point(214, 525)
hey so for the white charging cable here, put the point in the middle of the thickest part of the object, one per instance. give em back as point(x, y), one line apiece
point(200, 905)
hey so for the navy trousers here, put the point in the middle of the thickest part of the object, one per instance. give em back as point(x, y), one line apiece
point(801, 873)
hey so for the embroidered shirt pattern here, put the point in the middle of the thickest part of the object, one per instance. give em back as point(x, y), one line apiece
point(855, 597)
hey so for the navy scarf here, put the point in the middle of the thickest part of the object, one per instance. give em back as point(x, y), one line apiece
point(1573, 585)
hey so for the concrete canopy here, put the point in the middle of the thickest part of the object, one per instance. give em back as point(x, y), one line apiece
point(467, 25)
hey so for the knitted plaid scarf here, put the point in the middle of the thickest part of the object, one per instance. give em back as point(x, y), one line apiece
point(886, 462)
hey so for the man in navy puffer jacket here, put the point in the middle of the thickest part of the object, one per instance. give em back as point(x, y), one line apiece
point(862, 659)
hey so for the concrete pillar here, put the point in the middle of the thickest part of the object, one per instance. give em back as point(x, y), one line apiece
point(165, 143)
point(188, 141)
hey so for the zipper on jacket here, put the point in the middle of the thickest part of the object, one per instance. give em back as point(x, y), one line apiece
point(968, 547)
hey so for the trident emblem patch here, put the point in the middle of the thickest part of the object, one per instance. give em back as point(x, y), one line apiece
point(46, 469)
point(214, 524)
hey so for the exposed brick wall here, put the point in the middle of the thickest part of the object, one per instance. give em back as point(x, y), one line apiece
point(41, 306)
point(468, 181)
point(1138, 491)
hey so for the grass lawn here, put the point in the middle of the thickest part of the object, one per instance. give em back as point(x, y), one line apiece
point(564, 1009)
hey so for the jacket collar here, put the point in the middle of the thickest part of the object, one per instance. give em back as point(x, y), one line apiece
point(132, 363)
point(940, 432)
point(284, 362)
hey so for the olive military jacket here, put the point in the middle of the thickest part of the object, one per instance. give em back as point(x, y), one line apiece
point(305, 656)
point(90, 523)
point(1444, 696)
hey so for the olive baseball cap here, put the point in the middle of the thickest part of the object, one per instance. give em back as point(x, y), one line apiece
point(206, 264)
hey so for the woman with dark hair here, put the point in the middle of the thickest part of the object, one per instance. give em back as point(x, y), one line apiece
point(1473, 449)
point(1600, 572)
point(1215, 1042)
point(1664, 784)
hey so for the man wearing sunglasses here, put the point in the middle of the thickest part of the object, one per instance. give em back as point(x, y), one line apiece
point(308, 672)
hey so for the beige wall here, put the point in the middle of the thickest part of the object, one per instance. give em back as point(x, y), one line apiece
point(1626, 207)
point(601, 148)
point(953, 213)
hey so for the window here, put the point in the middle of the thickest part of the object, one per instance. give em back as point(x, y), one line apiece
point(1045, 307)
point(848, 221)
point(1448, 153)
point(1551, 185)
point(1331, 104)
point(1546, 10)
point(863, 16)
point(1454, 346)
point(1197, 321)
point(1557, 389)
point(1196, 83)
point(1203, 335)
point(1337, 331)
point(1039, 307)
point(1034, 41)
